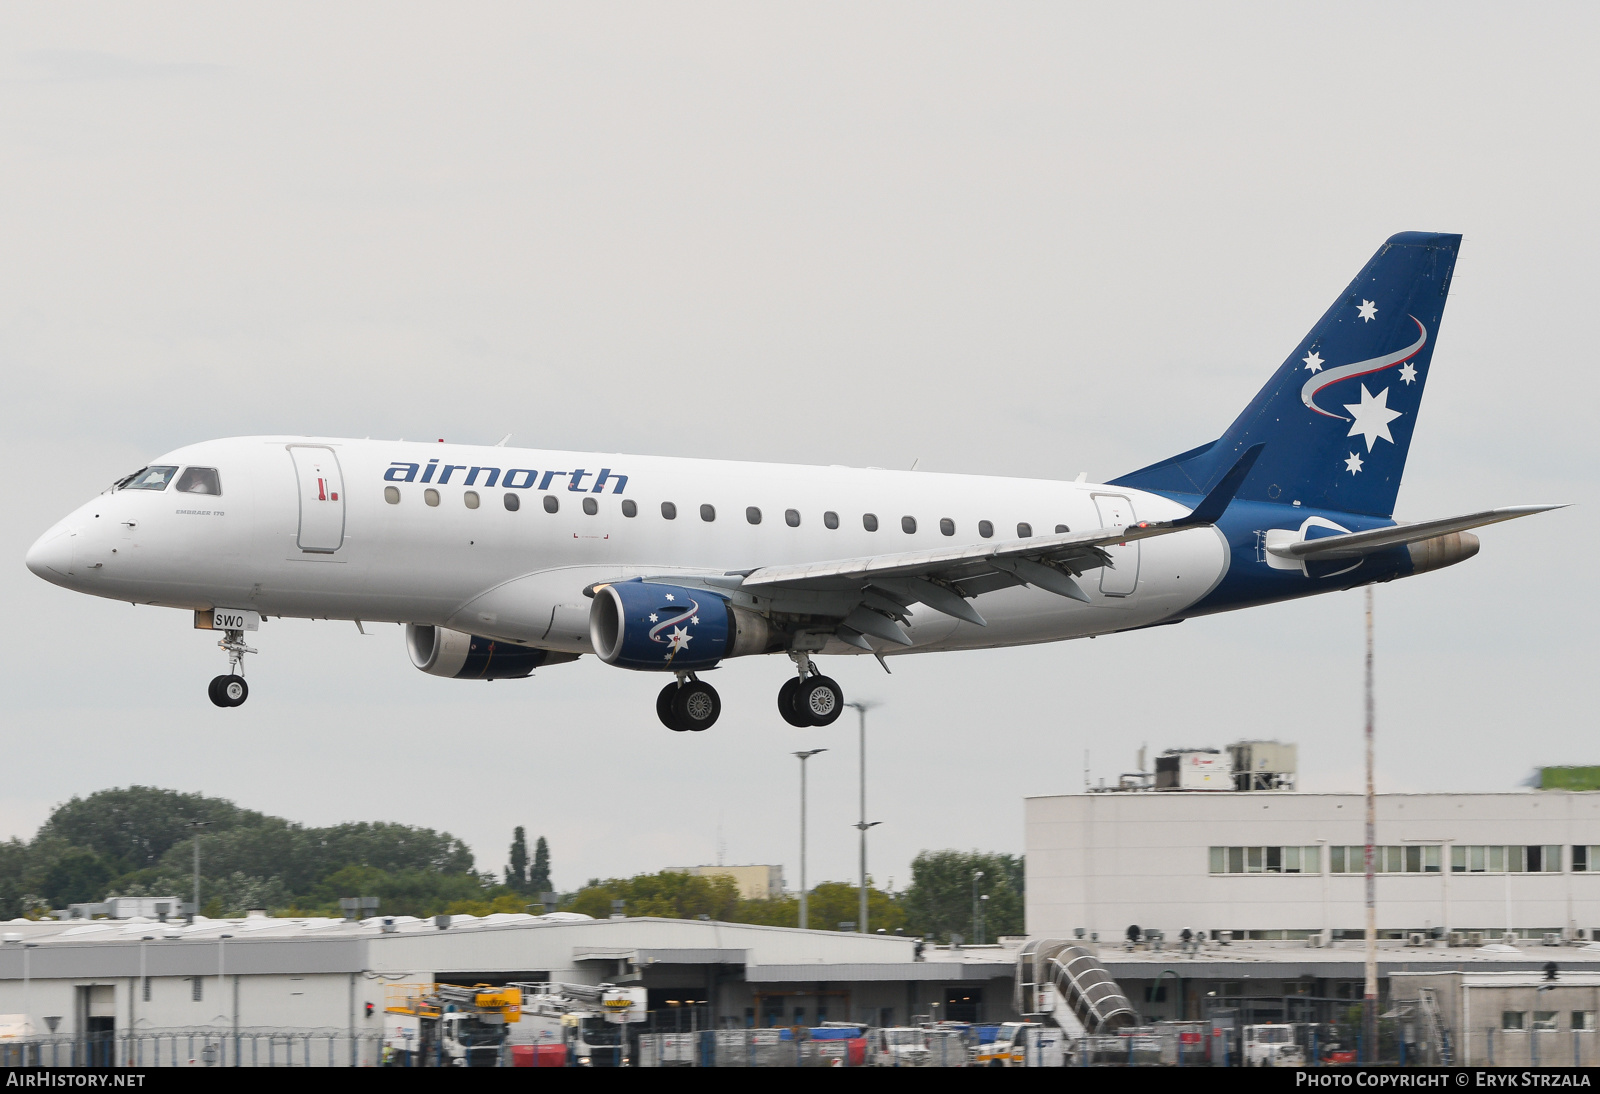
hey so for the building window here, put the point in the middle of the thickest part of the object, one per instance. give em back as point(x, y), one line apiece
point(1544, 1021)
point(986, 529)
point(144, 994)
point(669, 511)
point(1533, 859)
point(391, 494)
point(708, 513)
point(1513, 1020)
point(513, 502)
point(1585, 858)
point(752, 514)
point(471, 498)
point(1583, 1020)
point(197, 988)
point(908, 525)
point(791, 517)
point(630, 508)
point(551, 503)
point(869, 521)
point(1266, 860)
point(830, 519)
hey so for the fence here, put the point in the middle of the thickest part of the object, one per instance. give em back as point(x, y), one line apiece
point(203, 1047)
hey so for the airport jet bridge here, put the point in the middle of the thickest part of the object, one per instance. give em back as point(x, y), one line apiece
point(1064, 983)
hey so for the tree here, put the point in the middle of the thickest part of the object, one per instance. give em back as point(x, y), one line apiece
point(78, 876)
point(517, 870)
point(666, 895)
point(539, 875)
point(836, 902)
point(939, 900)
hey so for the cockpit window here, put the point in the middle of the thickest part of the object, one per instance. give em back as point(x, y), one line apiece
point(199, 480)
point(151, 478)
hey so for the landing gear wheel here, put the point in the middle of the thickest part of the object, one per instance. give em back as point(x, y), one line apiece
point(786, 704)
point(664, 708)
point(819, 700)
point(696, 706)
point(228, 691)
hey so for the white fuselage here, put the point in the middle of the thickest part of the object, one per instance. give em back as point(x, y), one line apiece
point(520, 575)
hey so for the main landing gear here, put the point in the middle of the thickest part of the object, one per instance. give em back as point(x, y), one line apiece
point(688, 705)
point(809, 699)
point(230, 690)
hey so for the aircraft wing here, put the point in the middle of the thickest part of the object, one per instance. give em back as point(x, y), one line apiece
point(1356, 544)
point(870, 595)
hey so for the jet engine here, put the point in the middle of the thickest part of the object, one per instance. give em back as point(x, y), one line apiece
point(670, 628)
point(439, 651)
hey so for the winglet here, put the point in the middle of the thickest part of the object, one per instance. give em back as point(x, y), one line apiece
point(1214, 504)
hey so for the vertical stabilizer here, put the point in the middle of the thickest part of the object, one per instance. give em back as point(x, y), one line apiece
point(1336, 418)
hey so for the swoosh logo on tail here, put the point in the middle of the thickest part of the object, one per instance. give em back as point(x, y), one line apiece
point(1314, 386)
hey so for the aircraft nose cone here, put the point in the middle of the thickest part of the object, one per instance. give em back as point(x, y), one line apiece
point(50, 557)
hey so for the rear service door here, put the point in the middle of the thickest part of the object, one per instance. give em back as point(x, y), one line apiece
point(1119, 580)
point(321, 489)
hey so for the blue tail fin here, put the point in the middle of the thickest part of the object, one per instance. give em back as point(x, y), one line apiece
point(1336, 418)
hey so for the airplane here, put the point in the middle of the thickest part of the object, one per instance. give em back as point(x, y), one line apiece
point(500, 560)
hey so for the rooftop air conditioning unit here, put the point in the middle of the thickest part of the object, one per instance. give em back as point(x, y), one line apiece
point(1508, 939)
point(1551, 938)
point(1416, 938)
point(1456, 938)
point(1474, 938)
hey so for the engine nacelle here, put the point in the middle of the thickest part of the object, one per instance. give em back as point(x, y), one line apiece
point(440, 651)
point(670, 628)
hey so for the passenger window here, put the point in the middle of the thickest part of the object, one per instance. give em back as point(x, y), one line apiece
point(513, 501)
point(869, 521)
point(431, 496)
point(630, 508)
point(753, 515)
point(986, 529)
point(471, 498)
point(199, 480)
point(830, 519)
point(1062, 529)
point(791, 517)
point(908, 525)
point(1024, 530)
point(391, 494)
point(947, 526)
point(708, 513)
point(591, 506)
point(151, 478)
point(551, 503)
point(669, 511)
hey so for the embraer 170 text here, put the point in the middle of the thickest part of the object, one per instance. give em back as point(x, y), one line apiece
point(499, 560)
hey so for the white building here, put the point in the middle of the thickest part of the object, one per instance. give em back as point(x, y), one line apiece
point(1268, 865)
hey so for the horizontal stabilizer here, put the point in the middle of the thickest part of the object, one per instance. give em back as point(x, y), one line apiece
point(1356, 544)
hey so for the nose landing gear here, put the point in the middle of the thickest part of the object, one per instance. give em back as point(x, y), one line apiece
point(230, 690)
point(688, 705)
point(809, 699)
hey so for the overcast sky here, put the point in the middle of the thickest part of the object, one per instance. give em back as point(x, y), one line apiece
point(1014, 239)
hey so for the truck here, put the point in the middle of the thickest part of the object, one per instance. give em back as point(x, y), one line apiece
point(1272, 1045)
point(591, 1020)
point(897, 1046)
point(1024, 1044)
point(448, 1025)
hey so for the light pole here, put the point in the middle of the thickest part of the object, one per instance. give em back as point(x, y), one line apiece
point(195, 826)
point(862, 825)
point(804, 892)
point(977, 931)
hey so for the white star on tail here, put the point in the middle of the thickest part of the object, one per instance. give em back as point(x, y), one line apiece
point(1408, 373)
point(1368, 311)
point(1313, 361)
point(1371, 416)
point(654, 618)
point(1353, 464)
point(671, 597)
